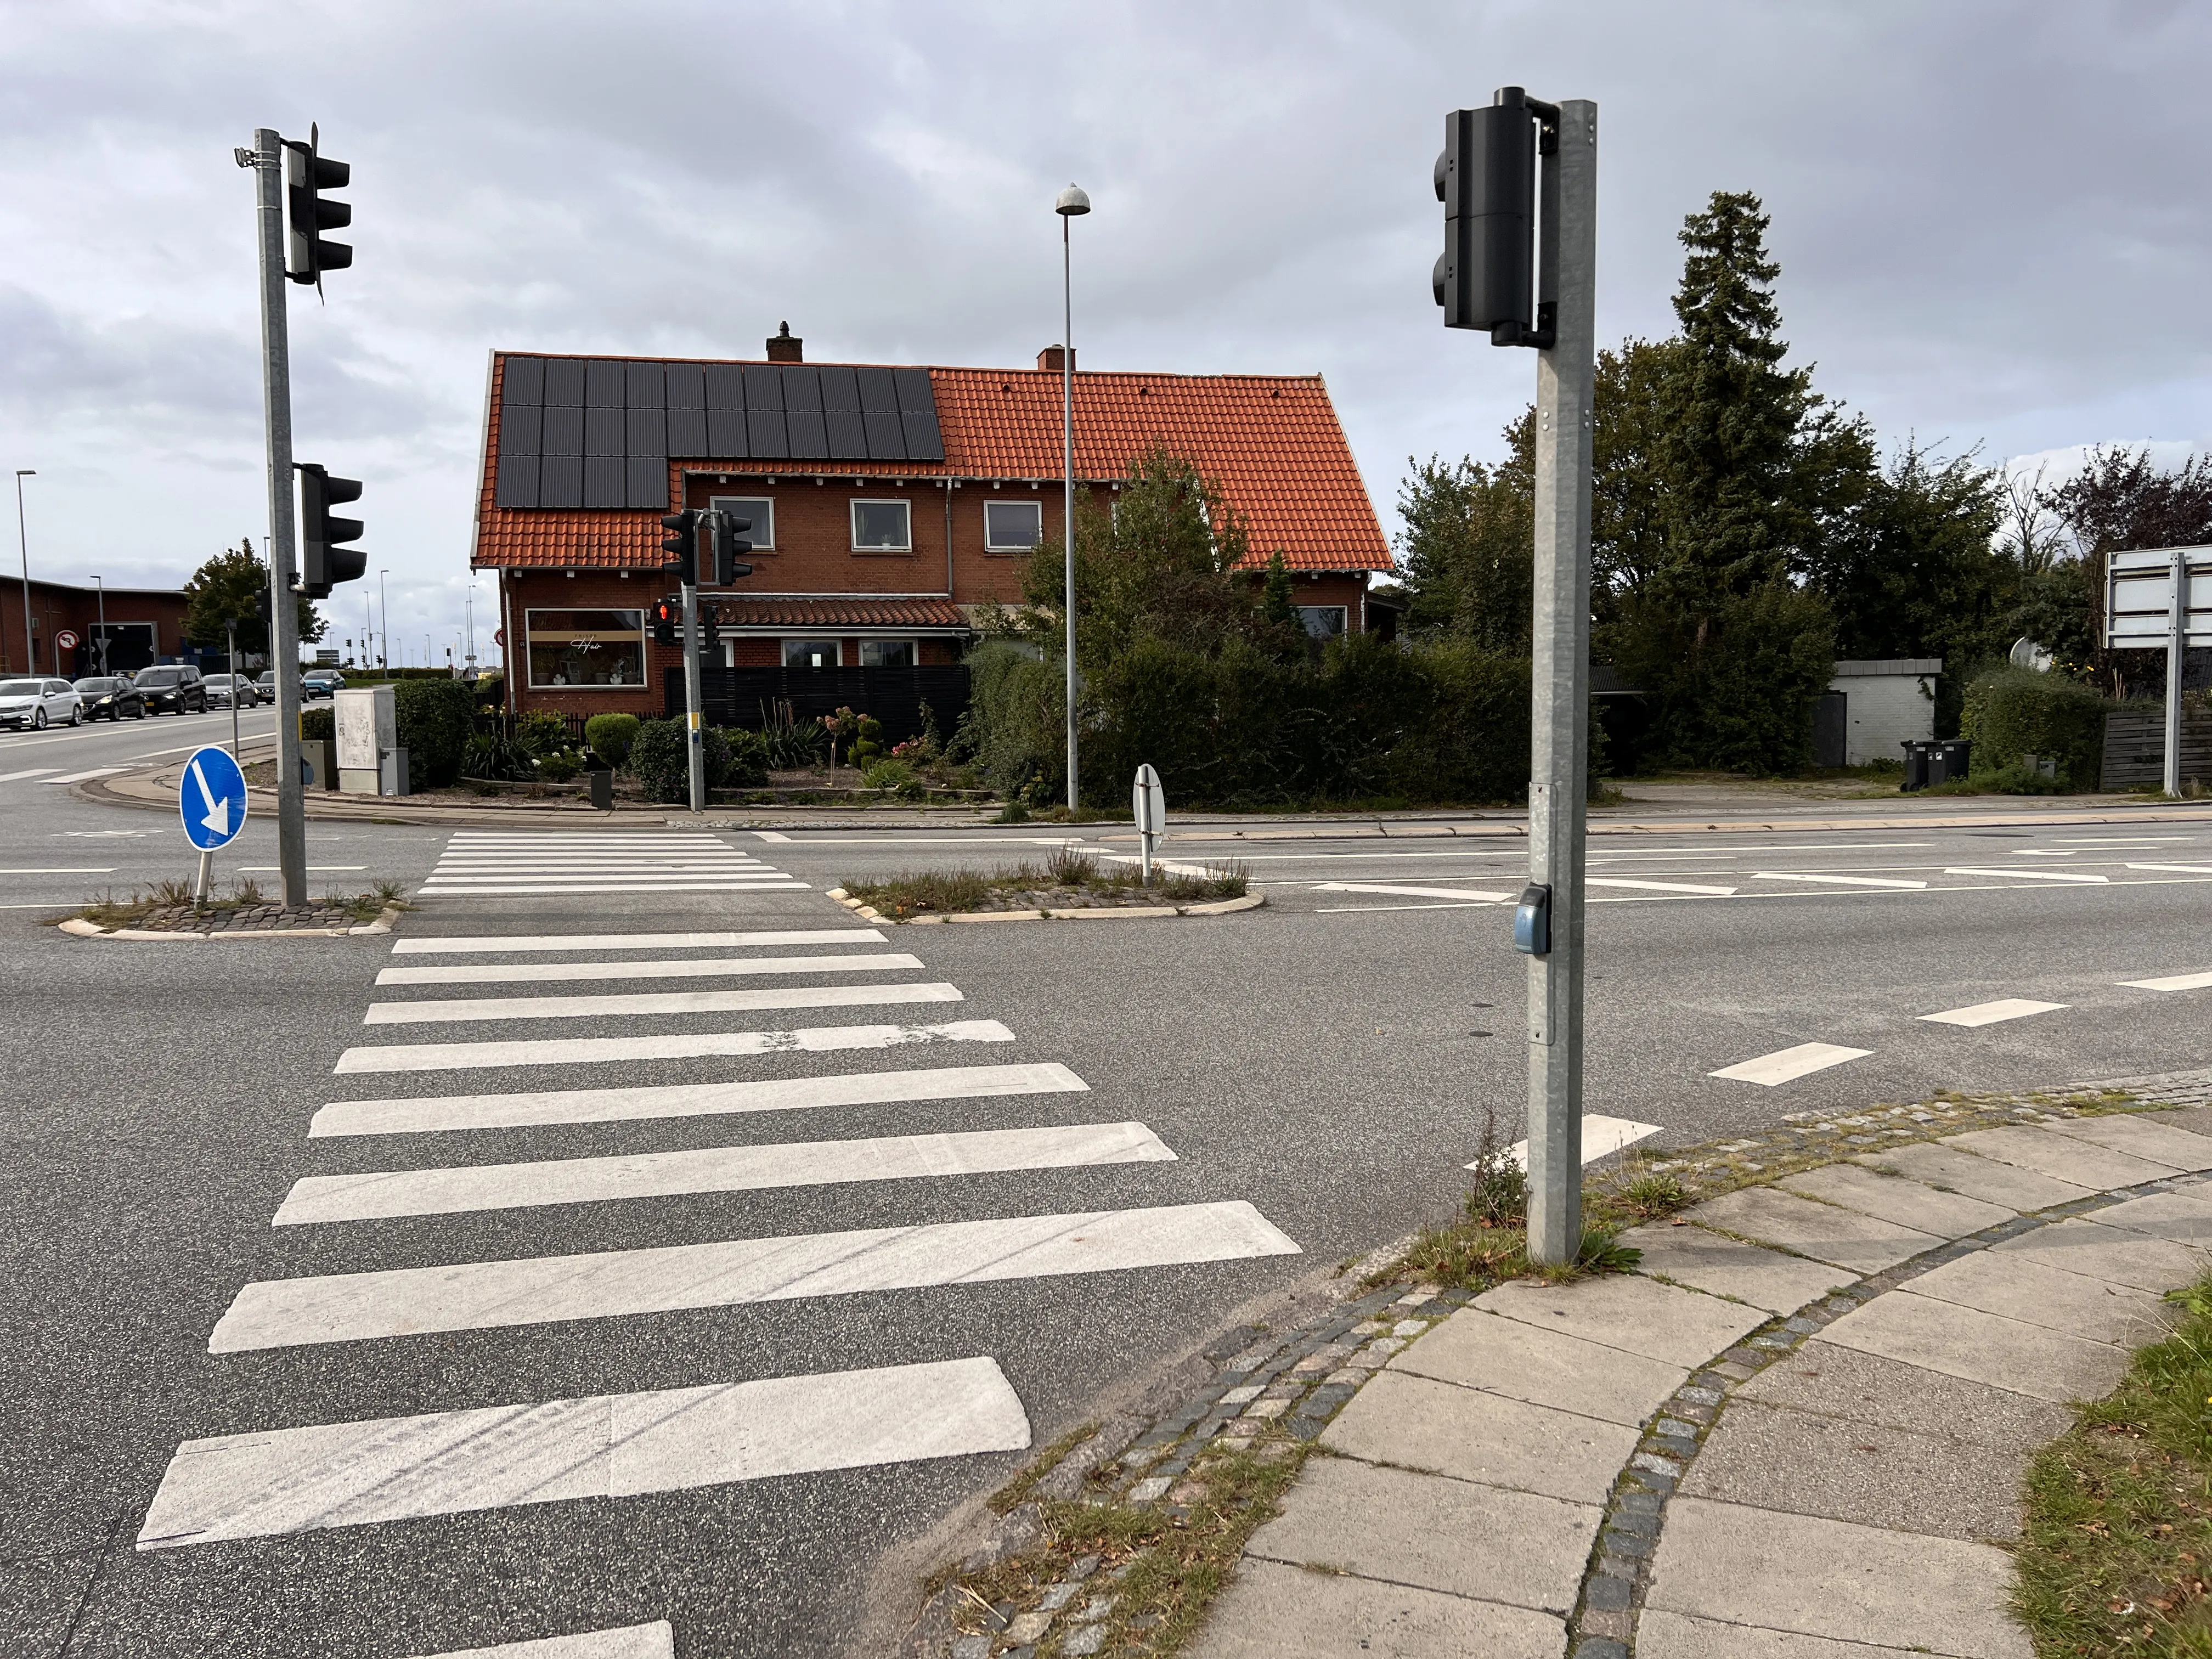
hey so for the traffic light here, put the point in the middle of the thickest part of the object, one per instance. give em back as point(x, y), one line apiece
point(667, 621)
point(261, 610)
point(1489, 276)
point(307, 176)
point(730, 542)
point(323, 563)
point(710, 628)
point(682, 546)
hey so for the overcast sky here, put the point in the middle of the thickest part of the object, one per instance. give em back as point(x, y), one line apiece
point(1992, 219)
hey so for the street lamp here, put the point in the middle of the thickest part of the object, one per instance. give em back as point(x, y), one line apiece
point(99, 588)
point(23, 539)
point(1072, 201)
point(383, 610)
point(468, 609)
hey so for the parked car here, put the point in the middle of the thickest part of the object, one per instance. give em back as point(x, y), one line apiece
point(325, 682)
point(36, 704)
point(111, 697)
point(175, 689)
point(222, 687)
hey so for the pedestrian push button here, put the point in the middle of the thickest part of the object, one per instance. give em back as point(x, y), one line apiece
point(1532, 921)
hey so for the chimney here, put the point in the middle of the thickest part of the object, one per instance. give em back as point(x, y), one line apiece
point(1048, 359)
point(786, 347)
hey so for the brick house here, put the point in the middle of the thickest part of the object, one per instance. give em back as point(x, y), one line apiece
point(145, 625)
point(887, 503)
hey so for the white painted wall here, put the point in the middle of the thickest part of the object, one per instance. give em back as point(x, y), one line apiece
point(1884, 710)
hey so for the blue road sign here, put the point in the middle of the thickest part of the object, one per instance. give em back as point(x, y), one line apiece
point(213, 798)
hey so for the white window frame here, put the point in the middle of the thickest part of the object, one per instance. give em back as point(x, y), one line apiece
point(852, 518)
point(731, 503)
point(992, 546)
point(529, 642)
point(912, 648)
point(836, 651)
point(1344, 628)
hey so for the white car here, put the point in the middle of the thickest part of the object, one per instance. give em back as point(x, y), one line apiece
point(37, 704)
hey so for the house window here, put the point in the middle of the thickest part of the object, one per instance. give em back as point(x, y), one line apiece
point(881, 527)
point(1012, 527)
point(886, 653)
point(587, 647)
point(809, 653)
point(758, 508)
point(1323, 622)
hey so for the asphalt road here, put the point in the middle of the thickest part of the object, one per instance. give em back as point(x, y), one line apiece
point(1318, 1069)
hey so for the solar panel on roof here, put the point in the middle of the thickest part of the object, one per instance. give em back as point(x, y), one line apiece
point(923, 440)
point(563, 432)
point(808, 438)
point(726, 437)
point(841, 389)
point(606, 432)
point(763, 387)
point(687, 432)
point(915, 394)
point(847, 433)
point(886, 437)
point(726, 386)
point(561, 482)
point(517, 481)
point(648, 386)
point(564, 382)
point(879, 392)
point(802, 388)
point(687, 386)
point(605, 482)
point(648, 482)
point(764, 433)
point(603, 384)
point(523, 381)
point(520, 429)
point(648, 435)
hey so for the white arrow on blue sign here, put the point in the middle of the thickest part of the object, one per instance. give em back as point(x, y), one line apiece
point(213, 798)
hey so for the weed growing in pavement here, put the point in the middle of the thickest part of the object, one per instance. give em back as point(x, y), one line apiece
point(1645, 1192)
point(1071, 866)
point(1068, 877)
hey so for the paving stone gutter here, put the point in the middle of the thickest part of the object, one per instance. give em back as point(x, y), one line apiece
point(1802, 1421)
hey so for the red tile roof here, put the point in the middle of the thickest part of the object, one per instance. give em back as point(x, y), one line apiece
point(1272, 442)
point(836, 613)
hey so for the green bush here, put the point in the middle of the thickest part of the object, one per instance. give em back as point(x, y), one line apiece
point(748, 755)
point(435, 718)
point(542, 733)
point(488, 755)
point(660, 760)
point(319, 724)
point(2012, 712)
point(560, 767)
point(894, 775)
point(609, 736)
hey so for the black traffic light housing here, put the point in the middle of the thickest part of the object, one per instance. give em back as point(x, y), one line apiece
point(729, 542)
point(324, 561)
point(710, 628)
point(682, 544)
point(307, 215)
point(1491, 276)
point(667, 621)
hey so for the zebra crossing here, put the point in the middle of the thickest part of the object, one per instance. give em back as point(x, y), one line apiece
point(360, 1469)
point(526, 864)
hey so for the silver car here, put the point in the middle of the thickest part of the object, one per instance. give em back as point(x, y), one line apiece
point(221, 688)
point(33, 705)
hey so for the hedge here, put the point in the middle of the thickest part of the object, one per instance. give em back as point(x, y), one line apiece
point(2012, 712)
point(435, 718)
point(660, 760)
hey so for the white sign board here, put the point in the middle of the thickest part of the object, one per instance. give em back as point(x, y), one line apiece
point(2139, 597)
point(369, 728)
point(1150, 801)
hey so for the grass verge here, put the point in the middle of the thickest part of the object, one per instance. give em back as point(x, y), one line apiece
point(2117, 1545)
point(1068, 879)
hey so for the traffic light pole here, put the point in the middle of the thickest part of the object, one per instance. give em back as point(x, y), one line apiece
point(1560, 748)
point(283, 605)
point(695, 739)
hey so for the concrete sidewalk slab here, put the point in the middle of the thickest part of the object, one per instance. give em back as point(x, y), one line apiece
point(1270, 1610)
point(1841, 1237)
point(1764, 1278)
point(1982, 1347)
point(2182, 1217)
point(1857, 1387)
point(1433, 1533)
point(1945, 1168)
point(2014, 1286)
point(1418, 1423)
point(1677, 1636)
point(2142, 1137)
point(2064, 1157)
point(1478, 1349)
point(1636, 1314)
point(2115, 1254)
point(1759, 1567)
point(1780, 1459)
point(1894, 1199)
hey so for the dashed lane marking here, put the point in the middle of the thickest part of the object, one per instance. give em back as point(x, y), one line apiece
point(1412, 893)
point(1993, 1013)
point(2178, 869)
point(2031, 875)
point(488, 944)
point(2172, 983)
point(1785, 1065)
point(1847, 881)
point(586, 1051)
point(656, 1002)
point(1662, 886)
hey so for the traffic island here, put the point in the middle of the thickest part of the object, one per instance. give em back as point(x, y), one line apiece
point(1069, 886)
point(1779, 1410)
point(170, 913)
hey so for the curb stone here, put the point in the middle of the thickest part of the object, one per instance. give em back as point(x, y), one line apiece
point(82, 929)
point(1087, 913)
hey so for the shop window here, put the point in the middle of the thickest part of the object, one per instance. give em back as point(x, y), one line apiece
point(886, 653)
point(809, 653)
point(1323, 622)
point(758, 508)
point(1012, 527)
point(881, 527)
point(587, 647)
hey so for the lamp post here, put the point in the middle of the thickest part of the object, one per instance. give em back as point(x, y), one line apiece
point(384, 613)
point(99, 588)
point(1072, 203)
point(469, 612)
point(23, 539)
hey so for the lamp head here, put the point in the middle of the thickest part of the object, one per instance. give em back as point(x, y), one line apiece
point(1072, 203)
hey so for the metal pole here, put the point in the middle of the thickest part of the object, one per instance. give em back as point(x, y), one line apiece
point(384, 624)
point(23, 539)
point(698, 750)
point(2177, 659)
point(283, 603)
point(230, 640)
point(99, 586)
point(1067, 434)
point(1560, 752)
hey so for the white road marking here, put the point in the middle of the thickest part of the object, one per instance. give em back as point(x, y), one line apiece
point(1848, 881)
point(1602, 1136)
point(1412, 892)
point(2030, 875)
point(344, 1475)
point(2172, 983)
point(655, 1641)
point(380, 1193)
point(103, 870)
point(489, 943)
point(655, 1002)
point(2176, 869)
point(1371, 909)
point(584, 1051)
point(1785, 1065)
point(771, 834)
point(508, 972)
point(2045, 853)
point(2121, 841)
point(1992, 1013)
point(469, 1296)
point(313, 869)
point(79, 777)
point(480, 890)
point(436, 1114)
point(1660, 886)
point(16, 777)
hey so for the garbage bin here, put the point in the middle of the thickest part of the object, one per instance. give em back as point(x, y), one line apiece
point(602, 789)
point(1952, 755)
point(1918, 753)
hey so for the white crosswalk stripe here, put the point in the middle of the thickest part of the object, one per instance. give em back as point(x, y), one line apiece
point(695, 968)
point(522, 864)
point(655, 1641)
point(449, 1009)
point(586, 1051)
point(503, 942)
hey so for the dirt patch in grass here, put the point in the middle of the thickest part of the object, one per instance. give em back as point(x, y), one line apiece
point(1067, 880)
point(2117, 1544)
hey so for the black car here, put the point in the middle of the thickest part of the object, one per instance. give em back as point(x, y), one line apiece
point(173, 690)
point(111, 697)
